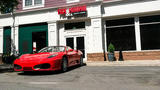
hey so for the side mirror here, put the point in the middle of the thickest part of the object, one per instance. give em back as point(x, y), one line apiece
point(76, 50)
point(70, 50)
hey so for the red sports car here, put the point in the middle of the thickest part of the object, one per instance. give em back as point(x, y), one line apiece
point(49, 59)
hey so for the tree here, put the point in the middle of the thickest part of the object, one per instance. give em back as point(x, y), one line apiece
point(8, 6)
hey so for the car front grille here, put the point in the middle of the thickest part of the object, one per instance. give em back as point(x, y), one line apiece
point(27, 68)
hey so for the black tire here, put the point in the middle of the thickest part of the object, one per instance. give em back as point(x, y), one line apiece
point(81, 61)
point(64, 64)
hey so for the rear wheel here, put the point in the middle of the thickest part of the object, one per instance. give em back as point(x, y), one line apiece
point(64, 64)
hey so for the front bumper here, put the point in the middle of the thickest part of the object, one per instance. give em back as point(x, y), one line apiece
point(31, 68)
point(52, 65)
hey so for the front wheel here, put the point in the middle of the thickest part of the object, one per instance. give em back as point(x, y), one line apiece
point(64, 64)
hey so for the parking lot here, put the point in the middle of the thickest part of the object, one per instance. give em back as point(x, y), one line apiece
point(85, 78)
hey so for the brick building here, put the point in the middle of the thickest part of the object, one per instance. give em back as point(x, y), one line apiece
point(132, 26)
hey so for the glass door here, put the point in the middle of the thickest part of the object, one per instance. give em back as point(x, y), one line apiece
point(80, 45)
point(76, 43)
point(70, 42)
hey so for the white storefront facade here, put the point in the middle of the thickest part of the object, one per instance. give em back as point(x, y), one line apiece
point(90, 31)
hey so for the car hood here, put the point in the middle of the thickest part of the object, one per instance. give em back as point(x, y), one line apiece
point(35, 57)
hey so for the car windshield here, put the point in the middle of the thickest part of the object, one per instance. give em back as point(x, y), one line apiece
point(53, 49)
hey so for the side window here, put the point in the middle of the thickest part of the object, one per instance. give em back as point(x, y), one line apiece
point(67, 48)
point(49, 50)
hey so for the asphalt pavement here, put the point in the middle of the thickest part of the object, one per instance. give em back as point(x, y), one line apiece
point(85, 78)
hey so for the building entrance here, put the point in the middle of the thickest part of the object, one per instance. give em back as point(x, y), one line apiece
point(39, 38)
point(76, 43)
point(7, 40)
point(36, 34)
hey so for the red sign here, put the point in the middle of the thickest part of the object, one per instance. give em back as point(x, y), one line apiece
point(72, 9)
point(62, 11)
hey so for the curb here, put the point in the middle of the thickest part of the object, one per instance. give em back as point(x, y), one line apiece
point(5, 66)
point(124, 63)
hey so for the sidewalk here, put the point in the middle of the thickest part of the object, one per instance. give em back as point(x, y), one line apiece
point(125, 63)
point(5, 67)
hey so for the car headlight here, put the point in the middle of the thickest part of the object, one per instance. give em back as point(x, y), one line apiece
point(52, 55)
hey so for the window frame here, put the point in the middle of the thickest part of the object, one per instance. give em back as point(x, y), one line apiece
point(84, 28)
point(33, 5)
point(150, 22)
point(123, 25)
point(72, 1)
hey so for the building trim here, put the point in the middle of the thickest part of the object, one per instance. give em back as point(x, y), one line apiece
point(50, 8)
point(137, 34)
point(1, 39)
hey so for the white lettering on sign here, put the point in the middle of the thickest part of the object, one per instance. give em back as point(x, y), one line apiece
point(68, 13)
point(72, 10)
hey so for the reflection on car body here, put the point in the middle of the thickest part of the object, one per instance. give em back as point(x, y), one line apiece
point(49, 59)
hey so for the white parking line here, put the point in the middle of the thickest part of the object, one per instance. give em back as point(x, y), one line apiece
point(43, 83)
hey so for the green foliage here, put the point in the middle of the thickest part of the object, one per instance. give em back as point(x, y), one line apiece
point(8, 54)
point(111, 48)
point(7, 6)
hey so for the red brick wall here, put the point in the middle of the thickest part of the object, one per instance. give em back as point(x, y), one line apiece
point(108, 0)
point(95, 57)
point(19, 7)
point(52, 3)
point(141, 55)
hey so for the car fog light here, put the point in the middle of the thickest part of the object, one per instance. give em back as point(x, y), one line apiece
point(17, 66)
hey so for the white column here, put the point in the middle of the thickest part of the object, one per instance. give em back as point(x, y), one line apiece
point(62, 38)
point(1, 39)
point(14, 36)
point(137, 34)
point(104, 33)
point(95, 35)
point(52, 34)
point(17, 38)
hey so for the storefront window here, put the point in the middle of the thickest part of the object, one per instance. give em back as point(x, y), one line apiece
point(76, 25)
point(150, 32)
point(149, 19)
point(121, 34)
